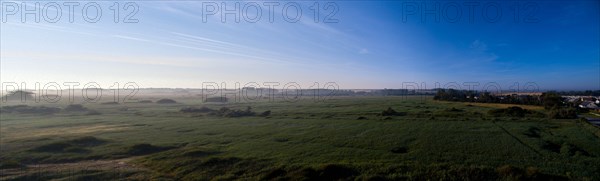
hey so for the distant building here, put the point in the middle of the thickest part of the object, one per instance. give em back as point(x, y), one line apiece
point(588, 105)
point(593, 99)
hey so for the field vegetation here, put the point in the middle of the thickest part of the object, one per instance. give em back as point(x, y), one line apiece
point(342, 138)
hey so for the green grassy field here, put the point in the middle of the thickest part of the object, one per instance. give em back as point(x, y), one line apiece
point(343, 138)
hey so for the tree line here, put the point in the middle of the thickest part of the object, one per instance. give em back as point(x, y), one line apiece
point(556, 105)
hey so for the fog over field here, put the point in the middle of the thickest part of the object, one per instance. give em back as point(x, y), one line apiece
point(299, 90)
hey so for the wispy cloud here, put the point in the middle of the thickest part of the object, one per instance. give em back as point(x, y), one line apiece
point(131, 38)
point(482, 53)
point(479, 46)
point(214, 46)
point(128, 59)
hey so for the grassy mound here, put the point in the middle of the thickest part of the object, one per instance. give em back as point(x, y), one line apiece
point(24, 109)
point(78, 145)
point(166, 101)
point(144, 149)
point(75, 108)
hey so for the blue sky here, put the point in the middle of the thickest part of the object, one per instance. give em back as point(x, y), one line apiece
point(365, 44)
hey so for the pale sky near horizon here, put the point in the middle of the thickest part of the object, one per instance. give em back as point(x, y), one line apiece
point(357, 44)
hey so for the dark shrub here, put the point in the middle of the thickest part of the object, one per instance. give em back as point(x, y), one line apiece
point(76, 150)
point(304, 174)
point(37, 110)
point(52, 147)
point(361, 118)
point(550, 146)
point(533, 132)
point(87, 141)
point(571, 150)
point(92, 112)
point(145, 148)
point(217, 99)
point(199, 153)
point(399, 150)
point(145, 101)
point(375, 178)
point(266, 113)
point(514, 111)
point(226, 112)
point(388, 112)
point(327, 117)
point(510, 172)
point(511, 111)
point(75, 108)
point(273, 174)
point(336, 172)
point(391, 112)
point(195, 110)
point(166, 101)
point(453, 109)
point(563, 113)
point(567, 149)
point(533, 173)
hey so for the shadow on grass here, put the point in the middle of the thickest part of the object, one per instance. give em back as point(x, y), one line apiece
point(78, 145)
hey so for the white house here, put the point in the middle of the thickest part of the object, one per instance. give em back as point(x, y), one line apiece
point(588, 105)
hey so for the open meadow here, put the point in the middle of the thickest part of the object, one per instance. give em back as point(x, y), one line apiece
point(341, 138)
point(286, 90)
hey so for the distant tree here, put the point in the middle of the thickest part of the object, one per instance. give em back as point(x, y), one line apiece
point(18, 95)
point(563, 113)
point(551, 100)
